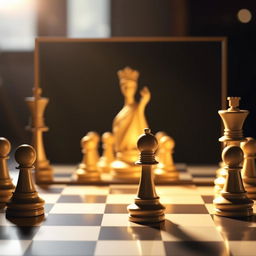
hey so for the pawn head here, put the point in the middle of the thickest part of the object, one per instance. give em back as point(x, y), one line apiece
point(94, 136)
point(232, 156)
point(25, 155)
point(159, 135)
point(249, 146)
point(5, 147)
point(108, 137)
point(167, 142)
point(147, 141)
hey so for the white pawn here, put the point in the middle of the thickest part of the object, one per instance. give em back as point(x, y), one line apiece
point(166, 169)
point(108, 152)
point(88, 170)
point(249, 170)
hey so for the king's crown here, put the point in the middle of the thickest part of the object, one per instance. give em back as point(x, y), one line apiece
point(128, 73)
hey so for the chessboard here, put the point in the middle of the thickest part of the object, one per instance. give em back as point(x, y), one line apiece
point(202, 175)
point(93, 220)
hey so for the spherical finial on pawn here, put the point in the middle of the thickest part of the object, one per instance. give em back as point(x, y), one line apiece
point(232, 156)
point(108, 137)
point(5, 147)
point(94, 135)
point(168, 142)
point(147, 141)
point(25, 155)
point(249, 146)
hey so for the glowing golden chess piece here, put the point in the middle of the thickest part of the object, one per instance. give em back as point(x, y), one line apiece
point(128, 124)
point(233, 200)
point(249, 170)
point(166, 169)
point(88, 170)
point(233, 119)
point(6, 185)
point(146, 208)
point(37, 105)
point(108, 157)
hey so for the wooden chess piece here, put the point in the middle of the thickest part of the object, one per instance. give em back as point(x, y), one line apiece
point(166, 169)
point(6, 185)
point(88, 170)
point(108, 157)
point(249, 170)
point(96, 138)
point(233, 200)
point(25, 201)
point(233, 119)
point(128, 124)
point(146, 208)
point(37, 105)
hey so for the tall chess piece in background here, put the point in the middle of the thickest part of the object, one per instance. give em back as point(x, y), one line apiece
point(128, 124)
point(37, 105)
point(233, 200)
point(249, 169)
point(146, 208)
point(6, 185)
point(233, 119)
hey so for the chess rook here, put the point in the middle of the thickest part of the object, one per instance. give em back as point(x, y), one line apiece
point(233, 200)
point(25, 201)
point(6, 185)
point(249, 170)
point(88, 169)
point(146, 208)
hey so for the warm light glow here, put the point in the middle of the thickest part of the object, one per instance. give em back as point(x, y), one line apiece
point(10, 4)
point(244, 15)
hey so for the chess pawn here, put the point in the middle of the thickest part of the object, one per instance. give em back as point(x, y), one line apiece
point(146, 208)
point(158, 136)
point(107, 158)
point(233, 200)
point(6, 185)
point(249, 170)
point(88, 170)
point(96, 137)
point(25, 201)
point(166, 169)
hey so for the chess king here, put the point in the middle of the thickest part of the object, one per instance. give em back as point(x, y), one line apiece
point(128, 124)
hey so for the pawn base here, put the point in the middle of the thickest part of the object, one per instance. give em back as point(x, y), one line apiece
point(166, 175)
point(233, 205)
point(125, 171)
point(25, 205)
point(6, 192)
point(146, 211)
point(85, 175)
point(43, 175)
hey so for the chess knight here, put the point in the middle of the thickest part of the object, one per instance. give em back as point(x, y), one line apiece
point(128, 124)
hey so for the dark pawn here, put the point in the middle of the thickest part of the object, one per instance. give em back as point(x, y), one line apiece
point(25, 201)
point(146, 208)
point(6, 185)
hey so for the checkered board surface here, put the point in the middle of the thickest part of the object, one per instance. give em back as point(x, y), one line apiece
point(91, 220)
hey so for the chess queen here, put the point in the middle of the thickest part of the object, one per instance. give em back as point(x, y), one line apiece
point(128, 124)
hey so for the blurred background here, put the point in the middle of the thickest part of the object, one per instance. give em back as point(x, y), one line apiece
point(22, 20)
